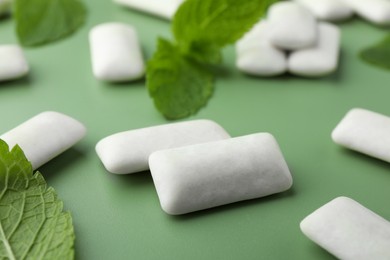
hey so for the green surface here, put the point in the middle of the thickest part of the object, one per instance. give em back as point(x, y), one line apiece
point(119, 217)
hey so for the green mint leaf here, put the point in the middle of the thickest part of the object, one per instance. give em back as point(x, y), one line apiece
point(179, 86)
point(205, 53)
point(40, 22)
point(379, 54)
point(32, 223)
point(180, 76)
point(215, 22)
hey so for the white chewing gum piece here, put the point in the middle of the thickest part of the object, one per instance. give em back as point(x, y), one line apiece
point(13, 64)
point(202, 176)
point(366, 132)
point(328, 10)
point(115, 52)
point(45, 136)
point(348, 230)
point(162, 8)
point(322, 58)
point(128, 152)
point(257, 56)
point(375, 11)
point(292, 26)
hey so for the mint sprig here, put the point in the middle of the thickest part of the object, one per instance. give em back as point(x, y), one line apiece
point(378, 54)
point(179, 75)
point(40, 22)
point(180, 85)
point(32, 222)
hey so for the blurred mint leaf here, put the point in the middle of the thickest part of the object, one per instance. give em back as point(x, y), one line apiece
point(204, 53)
point(32, 223)
point(216, 22)
point(179, 86)
point(378, 54)
point(40, 22)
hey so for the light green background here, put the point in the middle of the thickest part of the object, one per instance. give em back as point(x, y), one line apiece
point(119, 217)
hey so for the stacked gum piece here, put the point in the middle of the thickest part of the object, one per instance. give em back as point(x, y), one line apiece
point(195, 165)
point(374, 11)
point(290, 40)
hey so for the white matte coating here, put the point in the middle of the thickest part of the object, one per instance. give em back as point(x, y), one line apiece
point(328, 10)
point(115, 52)
point(322, 58)
point(349, 231)
point(293, 26)
point(257, 56)
point(162, 8)
point(45, 136)
point(13, 64)
point(375, 11)
point(128, 152)
point(207, 175)
point(366, 132)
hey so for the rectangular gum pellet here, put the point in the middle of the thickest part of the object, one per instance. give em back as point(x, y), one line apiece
point(162, 8)
point(115, 52)
point(366, 132)
point(13, 64)
point(257, 56)
point(45, 136)
point(348, 230)
point(207, 175)
point(375, 11)
point(128, 152)
point(328, 10)
point(322, 58)
point(293, 26)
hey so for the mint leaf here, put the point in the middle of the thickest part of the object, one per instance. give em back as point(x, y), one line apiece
point(180, 75)
point(180, 86)
point(32, 223)
point(43, 21)
point(379, 54)
point(204, 53)
point(215, 23)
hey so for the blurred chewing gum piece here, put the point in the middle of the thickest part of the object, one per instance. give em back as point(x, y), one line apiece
point(163, 8)
point(375, 11)
point(257, 56)
point(328, 10)
point(293, 26)
point(13, 64)
point(322, 58)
